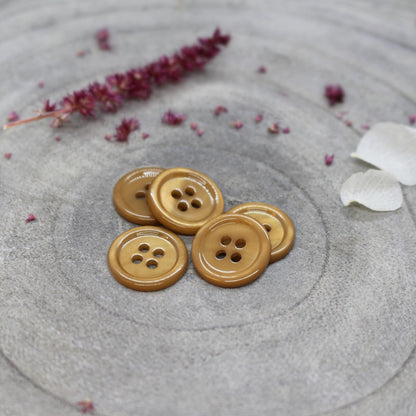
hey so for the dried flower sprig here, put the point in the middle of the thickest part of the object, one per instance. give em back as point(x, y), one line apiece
point(136, 83)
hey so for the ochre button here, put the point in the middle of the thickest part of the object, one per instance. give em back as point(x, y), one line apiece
point(277, 223)
point(184, 199)
point(147, 258)
point(130, 192)
point(231, 250)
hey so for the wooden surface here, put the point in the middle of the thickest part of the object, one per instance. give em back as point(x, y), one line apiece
point(329, 330)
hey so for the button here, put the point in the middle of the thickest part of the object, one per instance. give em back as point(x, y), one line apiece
point(147, 258)
point(277, 223)
point(184, 199)
point(231, 250)
point(129, 195)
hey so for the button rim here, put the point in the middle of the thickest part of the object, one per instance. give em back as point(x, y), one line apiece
point(231, 281)
point(287, 243)
point(122, 209)
point(147, 285)
point(169, 221)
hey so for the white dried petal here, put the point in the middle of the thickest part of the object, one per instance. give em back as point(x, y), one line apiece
point(390, 147)
point(376, 189)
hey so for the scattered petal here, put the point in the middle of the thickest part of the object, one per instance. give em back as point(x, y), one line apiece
point(365, 127)
point(412, 119)
point(86, 406)
point(173, 118)
point(375, 189)
point(30, 218)
point(391, 147)
point(200, 132)
point(274, 128)
point(261, 70)
point(334, 94)
point(108, 137)
point(329, 159)
point(258, 118)
point(41, 84)
point(220, 109)
point(13, 116)
point(341, 115)
point(237, 124)
point(103, 37)
point(145, 135)
point(193, 125)
point(81, 53)
point(57, 138)
point(8, 156)
point(286, 130)
point(348, 123)
point(125, 128)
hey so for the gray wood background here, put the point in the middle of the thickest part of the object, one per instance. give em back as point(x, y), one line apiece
point(329, 330)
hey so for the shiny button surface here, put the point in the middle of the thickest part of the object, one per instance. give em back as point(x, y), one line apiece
point(231, 250)
point(183, 199)
point(147, 258)
point(276, 222)
point(129, 195)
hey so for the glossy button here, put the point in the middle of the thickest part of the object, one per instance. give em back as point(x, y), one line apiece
point(147, 258)
point(184, 199)
point(276, 222)
point(129, 195)
point(231, 250)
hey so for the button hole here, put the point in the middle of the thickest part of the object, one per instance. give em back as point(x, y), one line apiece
point(221, 254)
point(136, 259)
point(183, 206)
point(144, 248)
point(267, 227)
point(147, 186)
point(151, 264)
point(240, 243)
point(140, 194)
point(225, 240)
point(158, 252)
point(236, 257)
point(196, 203)
point(190, 191)
point(176, 193)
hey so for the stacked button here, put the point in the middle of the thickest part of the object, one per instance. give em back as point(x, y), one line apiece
point(229, 250)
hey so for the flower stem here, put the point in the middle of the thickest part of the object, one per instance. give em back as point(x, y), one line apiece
point(30, 119)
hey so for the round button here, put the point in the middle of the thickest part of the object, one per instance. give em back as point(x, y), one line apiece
point(147, 258)
point(130, 192)
point(231, 250)
point(277, 224)
point(184, 199)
